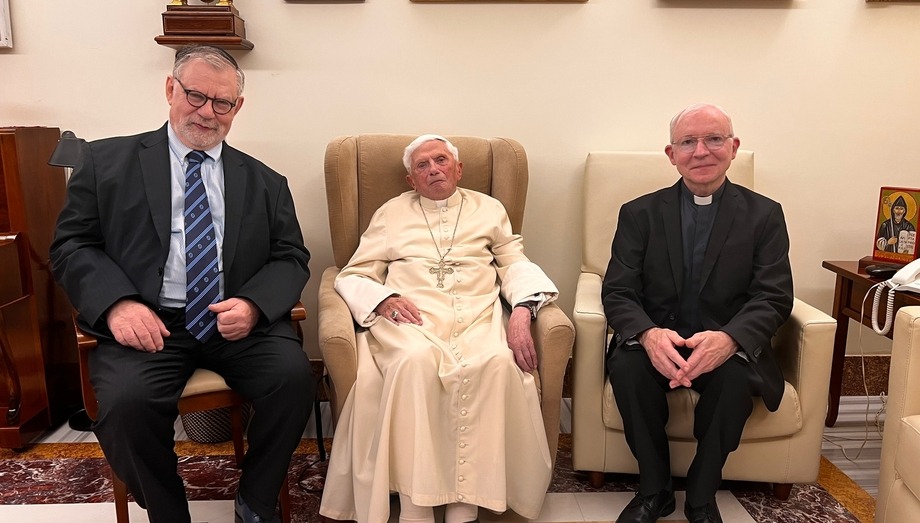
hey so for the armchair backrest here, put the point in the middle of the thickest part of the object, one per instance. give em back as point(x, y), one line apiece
point(614, 178)
point(364, 171)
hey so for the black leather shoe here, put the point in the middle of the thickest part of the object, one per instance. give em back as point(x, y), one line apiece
point(708, 513)
point(243, 514)
point(647, 509)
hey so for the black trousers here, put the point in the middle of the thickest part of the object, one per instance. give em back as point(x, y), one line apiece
point(725, 403)
point(138, 394)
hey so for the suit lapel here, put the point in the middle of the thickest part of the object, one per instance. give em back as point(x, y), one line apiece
point(155, 170)
point(670, 214)
point(729, 208)
point(234, 194)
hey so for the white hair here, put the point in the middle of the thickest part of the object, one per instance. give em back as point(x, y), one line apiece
point(410, 149)
point(696, 107)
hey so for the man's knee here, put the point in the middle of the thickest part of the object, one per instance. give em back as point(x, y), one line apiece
point(732, 377)
point(419, 358)
point(296, 373)
point(628, 367)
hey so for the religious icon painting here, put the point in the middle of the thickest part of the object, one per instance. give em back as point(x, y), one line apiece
point(896, 225)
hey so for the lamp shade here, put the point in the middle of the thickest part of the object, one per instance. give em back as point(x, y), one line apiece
point(68, 151)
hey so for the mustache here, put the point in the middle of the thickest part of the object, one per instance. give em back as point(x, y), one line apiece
point(209, 123)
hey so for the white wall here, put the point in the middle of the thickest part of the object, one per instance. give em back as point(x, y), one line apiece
point(825, 92)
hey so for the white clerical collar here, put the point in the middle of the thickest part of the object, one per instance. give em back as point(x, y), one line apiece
point(453, 199)
point(702, 200)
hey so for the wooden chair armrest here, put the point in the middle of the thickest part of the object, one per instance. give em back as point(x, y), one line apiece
point(85, 341)
point(299, 312)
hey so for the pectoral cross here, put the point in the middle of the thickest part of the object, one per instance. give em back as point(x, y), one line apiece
point(441, 269)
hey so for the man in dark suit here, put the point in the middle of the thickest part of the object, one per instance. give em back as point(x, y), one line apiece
point(180, 252)
point(698, 282)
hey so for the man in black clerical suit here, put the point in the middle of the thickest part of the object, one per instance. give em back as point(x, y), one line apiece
point(180, 252)
point(698, 282)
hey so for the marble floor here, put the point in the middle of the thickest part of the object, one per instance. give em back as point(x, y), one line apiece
point(853, 445)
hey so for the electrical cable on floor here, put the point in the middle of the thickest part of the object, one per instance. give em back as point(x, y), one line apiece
point(878, 415)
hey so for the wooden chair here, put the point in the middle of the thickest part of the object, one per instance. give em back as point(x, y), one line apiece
point(205, 390)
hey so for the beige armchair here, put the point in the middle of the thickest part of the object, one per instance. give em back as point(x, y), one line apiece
point(363, 172)
point(783, 447)
point(899, 478)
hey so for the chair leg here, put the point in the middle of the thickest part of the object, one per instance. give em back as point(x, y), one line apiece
point(121, 499)
point(318, 418)
point(596, 479)
point(285, 501)
point(236, 429)
point(781, 491)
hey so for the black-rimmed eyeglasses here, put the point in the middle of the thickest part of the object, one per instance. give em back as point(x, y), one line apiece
point(198, 99)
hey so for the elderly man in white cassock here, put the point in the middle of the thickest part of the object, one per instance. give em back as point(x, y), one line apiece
point(444, 410)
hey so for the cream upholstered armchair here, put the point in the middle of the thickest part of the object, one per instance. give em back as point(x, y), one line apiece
point(363, 172)
point(899, 478)
point(783, 447)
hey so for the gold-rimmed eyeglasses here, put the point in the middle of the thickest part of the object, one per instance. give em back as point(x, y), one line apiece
point(198, 99)
point(713, 142)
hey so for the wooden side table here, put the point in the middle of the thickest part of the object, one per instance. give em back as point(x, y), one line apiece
point(851, 288)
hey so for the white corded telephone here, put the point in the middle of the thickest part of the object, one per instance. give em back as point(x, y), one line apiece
point(906, 279)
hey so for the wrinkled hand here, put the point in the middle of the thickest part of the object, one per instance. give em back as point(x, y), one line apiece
point(235, 317)
point(520, 340)
point(406, 311)
point(661, 347)
point(134, 325)
point(710, 350)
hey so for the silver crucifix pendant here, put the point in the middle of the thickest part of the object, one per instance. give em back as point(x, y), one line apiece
point(441, 269)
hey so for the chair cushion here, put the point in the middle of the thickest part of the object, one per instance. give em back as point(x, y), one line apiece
point(681, 402)
point(202, 381)
point(907, 455)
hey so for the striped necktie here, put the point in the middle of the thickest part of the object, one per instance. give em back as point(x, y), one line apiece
point(202, 273)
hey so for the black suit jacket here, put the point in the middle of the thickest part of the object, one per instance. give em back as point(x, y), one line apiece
point(112, 236)
point(746, 282)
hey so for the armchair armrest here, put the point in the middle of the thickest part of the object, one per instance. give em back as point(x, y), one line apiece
point(553, 336)
point(589, 376)
point(589, 314)
point(895, 497)
point(336, 331)
point(591, 341)
point(804, 347)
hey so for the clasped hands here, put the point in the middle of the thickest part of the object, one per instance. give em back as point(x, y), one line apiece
point(710, 349)
point(399, 309)
point(135, 325)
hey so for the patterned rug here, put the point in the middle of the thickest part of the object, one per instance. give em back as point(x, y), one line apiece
point(77, 473)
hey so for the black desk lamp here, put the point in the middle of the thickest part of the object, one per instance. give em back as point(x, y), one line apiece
point(67, 154)
point(68, 151)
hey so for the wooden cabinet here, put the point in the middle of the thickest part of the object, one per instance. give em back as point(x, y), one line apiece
point(40, 344)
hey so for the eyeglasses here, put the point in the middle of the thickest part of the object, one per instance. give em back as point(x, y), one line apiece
point(198, 99)
point(713, 142)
